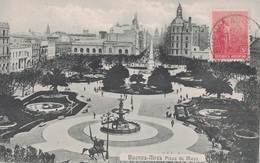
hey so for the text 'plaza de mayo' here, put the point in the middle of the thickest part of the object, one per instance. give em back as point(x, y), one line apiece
point(181, 38)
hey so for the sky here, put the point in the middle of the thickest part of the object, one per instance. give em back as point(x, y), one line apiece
point(72, 16)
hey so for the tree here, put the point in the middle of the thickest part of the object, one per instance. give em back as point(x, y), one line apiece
point(160, 78)
point(217, 85)
point(95, 64)
point(115, 77)
point(80, 69)
point(34, 77)
point(138, 78)
point(54, 78)
point(6, 84)
point(24, 79)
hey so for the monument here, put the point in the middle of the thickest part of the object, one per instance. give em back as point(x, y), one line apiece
point(118, 125)
point(150, 63)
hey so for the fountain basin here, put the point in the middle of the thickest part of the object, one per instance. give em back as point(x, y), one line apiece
point(45, 107)
point(127, 128)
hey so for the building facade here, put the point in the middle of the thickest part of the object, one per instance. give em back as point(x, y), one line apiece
point(255, 55)
point(4, 47)
point(122, 39)
point(184, 38)
point(179, 35)
point(21, 58)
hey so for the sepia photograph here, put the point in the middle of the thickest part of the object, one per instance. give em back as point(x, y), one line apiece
point(129, 81)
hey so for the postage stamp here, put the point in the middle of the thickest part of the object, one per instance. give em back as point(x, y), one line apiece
point(230, 33)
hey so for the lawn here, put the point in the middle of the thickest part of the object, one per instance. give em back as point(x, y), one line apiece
point(156, 107)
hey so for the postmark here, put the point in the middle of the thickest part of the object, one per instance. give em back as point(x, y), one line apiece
point(230, 35)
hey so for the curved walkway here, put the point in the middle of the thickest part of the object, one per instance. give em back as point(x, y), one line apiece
point(59, 135)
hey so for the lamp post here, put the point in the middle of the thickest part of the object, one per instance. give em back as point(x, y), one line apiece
point(109, 115)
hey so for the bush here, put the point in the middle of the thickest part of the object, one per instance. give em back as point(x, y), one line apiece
point(21, 154)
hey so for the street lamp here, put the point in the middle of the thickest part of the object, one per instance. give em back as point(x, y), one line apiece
point(108, 115)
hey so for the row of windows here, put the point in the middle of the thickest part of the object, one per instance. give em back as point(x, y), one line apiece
point(4, 67)
point(177, 30)
point(5, 41)
point(177, 45)
point(4, 33)
point(120, 51)
point(15, 54)
point(177, 38)
point(177, 51)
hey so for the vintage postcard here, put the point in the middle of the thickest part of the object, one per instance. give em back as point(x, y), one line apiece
point(129, 81)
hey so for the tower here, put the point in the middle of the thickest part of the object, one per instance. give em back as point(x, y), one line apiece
point(48, 32)
point(179, 11)
point(135, 22)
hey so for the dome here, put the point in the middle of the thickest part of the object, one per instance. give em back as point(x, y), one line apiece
point(178, 20)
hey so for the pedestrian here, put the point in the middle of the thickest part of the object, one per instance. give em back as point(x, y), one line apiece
point(180, 96)
point(174, 115)
point(213, 142)
point(187, 96)
point(172, 122)
point(177, 91)
point(102, 93)
point(94, 114)
point(132, 107)
point(84, 88)
point(167, 114)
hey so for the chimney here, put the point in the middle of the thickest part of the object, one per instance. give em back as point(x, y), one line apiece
point(189, 19)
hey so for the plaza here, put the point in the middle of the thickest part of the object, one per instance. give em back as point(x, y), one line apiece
point(71, 135)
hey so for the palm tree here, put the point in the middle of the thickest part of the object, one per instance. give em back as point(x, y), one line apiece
point(218, 85)
point(55, 78)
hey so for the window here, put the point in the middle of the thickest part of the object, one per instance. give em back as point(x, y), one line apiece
point(126, 51)
point(172, 44)
point(187, 38)
point(186, 45)
point(75, 50)
point(172, 37)
point(94, 50)
point(177, 29)
point(194, 49)
point(100, 50)
point(87, 50)
point(177, 51)
point(177, 45)
point(177, 38)
point(186, 52)
point(172, 29)
point(81, 50)
point(187, 30)
point(3, 32)
point(120, 51)
point(110, 50)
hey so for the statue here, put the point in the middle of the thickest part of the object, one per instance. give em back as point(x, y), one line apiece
point(98, 147)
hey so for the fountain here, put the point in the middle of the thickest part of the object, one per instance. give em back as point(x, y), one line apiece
point(45, 107)
point(118, 125)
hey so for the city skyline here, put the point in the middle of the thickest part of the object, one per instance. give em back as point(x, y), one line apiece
point(74, 16)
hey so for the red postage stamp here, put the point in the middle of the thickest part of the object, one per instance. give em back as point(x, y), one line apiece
point(230, 35)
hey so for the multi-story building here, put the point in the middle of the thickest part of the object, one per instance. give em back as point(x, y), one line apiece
point(255, 55)
point(4, 47)
point(21, 58)
point(179, 35)
point(122, 39)
point(184, 38)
